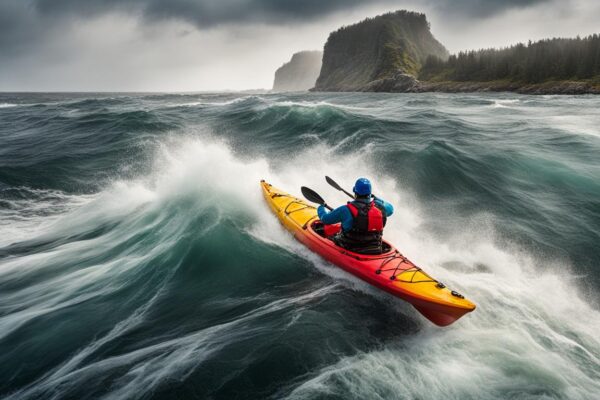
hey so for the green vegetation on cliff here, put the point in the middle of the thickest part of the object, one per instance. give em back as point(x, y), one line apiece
point(546, 60)
point(376, 49)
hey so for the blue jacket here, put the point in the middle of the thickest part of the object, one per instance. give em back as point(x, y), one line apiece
point(342, 214)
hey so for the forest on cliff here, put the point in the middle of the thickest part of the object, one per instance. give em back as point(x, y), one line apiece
point(535, 62)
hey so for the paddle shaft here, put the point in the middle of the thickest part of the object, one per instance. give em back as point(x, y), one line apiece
point(338, 187)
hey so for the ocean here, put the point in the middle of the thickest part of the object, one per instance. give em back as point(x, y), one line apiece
point(138, 259)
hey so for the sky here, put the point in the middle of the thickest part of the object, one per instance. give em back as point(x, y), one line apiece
point(214, 45)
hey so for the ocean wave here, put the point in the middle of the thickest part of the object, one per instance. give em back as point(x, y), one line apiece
point(207, 103)
point(511, 310)
point(316, 104)
point(176, 278)
point(24, 211)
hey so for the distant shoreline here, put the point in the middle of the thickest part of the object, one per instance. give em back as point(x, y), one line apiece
point(551, 87)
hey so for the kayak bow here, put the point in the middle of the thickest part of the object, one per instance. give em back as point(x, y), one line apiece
point(390, 271)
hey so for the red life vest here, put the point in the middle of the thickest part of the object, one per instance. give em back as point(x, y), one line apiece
point(368, 218)
point(367, 229)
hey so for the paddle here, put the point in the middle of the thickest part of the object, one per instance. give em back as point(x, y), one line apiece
point(313, 196)
point(338, 187)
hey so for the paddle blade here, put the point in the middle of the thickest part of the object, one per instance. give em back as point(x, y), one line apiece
point(336, 186)
point(333, 183)
point(313, 196)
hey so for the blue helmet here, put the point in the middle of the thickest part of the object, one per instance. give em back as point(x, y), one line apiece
point(362, 187)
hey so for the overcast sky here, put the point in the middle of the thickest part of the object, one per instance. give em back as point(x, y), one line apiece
point(194, 45)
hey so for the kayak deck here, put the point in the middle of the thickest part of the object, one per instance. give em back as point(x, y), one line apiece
point(390, 271)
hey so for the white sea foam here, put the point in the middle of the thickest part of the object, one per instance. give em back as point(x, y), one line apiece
point(207, 103)
point(576, 124)
point(27, 217)
point(505, 103)
point(318, 103)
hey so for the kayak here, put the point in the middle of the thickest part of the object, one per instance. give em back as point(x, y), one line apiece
point(389, 271)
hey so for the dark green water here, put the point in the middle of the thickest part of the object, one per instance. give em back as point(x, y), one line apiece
point(138, 259)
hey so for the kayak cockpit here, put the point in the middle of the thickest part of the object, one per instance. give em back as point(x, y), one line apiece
point(329, 231)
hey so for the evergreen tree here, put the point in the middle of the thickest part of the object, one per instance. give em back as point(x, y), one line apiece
point(550, 59)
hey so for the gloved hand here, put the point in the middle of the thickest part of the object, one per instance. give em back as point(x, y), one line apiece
point(322, 209)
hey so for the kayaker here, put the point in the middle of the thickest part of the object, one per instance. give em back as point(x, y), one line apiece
point(362, 220)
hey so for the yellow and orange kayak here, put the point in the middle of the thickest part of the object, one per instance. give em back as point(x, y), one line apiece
point(390, 271)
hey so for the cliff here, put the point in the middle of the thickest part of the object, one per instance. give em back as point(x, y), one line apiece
point(384, 53)
point(300, 73)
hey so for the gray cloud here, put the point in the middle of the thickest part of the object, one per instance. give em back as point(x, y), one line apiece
point(203, 13)
point(207, 13)
point(481, 8)
point(24, 23)
point(63, 41)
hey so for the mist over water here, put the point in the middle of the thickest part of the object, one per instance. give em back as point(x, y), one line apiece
point(138, 259)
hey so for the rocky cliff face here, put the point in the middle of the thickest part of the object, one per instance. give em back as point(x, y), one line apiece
point(384, 53)
point(300, 73)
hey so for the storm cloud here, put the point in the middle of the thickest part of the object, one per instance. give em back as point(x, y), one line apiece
point(207, 13)
point(481, 8)
point(22, 20)
point(203, 13)
point(125, 44)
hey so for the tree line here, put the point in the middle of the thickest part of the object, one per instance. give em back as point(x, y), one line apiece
point(549, 59)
